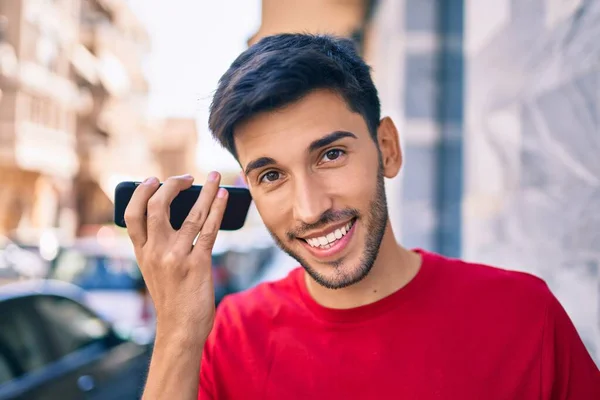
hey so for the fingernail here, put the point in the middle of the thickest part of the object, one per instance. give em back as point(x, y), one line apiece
point(222, 193)
point(213, 176)
point(149, 181)
point(186, 176)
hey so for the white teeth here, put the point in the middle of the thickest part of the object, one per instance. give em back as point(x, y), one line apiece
point(325, 242)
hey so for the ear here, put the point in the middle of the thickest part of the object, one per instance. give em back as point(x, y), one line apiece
point(389, 145)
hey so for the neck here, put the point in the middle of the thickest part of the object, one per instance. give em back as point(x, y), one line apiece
point(394, 267)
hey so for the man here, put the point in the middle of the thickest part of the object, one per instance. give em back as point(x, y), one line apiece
point(363, 318)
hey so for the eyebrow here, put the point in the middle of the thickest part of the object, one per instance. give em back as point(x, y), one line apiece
point(329, 139)
point(315, 145)
point(259, 163)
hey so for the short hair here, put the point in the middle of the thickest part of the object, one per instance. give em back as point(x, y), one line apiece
point(283, 68)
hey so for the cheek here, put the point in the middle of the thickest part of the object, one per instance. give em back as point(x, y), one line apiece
point(354, 184)
point(274, 213)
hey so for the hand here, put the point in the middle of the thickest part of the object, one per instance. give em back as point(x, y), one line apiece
point(177, 272)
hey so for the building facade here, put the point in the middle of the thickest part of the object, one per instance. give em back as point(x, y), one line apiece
point(343, 18)
point(114, 133)
point(174, 147)
point(416, 52)
point(532, 171)
point(73, 117)
point(38, 114)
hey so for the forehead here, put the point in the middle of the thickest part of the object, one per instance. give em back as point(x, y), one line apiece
point(293, 127)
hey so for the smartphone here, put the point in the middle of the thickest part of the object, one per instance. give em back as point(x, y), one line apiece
point(234, 218)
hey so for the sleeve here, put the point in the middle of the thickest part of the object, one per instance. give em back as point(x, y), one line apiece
point(568, 371)
point(208, 389)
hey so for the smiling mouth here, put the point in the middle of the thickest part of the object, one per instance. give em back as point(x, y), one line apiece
point(330, 239)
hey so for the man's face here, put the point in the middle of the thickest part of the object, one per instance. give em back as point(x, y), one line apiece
point(316, 177)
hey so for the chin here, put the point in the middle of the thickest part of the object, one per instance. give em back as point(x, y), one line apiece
point(339, 274)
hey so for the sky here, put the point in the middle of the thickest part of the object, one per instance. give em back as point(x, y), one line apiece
point(193, 44)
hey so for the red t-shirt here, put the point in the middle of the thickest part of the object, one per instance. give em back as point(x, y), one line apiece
point(456, 331)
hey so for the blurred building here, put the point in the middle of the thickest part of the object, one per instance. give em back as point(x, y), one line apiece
point(38, 115)
point(174, 146)
point(343, 18)
point(113, 133)
point(416, 50)
point(73, 117)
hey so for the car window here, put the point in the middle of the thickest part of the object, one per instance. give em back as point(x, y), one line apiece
point(71, 325)
point(96, 271)
point(23, 348)
point(7, 372)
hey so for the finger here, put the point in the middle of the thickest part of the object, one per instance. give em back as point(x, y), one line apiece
point(159, 205)
point(199, 212)
point(208, 234)
point(135, 213)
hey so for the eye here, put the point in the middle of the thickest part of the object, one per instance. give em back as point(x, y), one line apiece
point(332, 155)
point(270, 177)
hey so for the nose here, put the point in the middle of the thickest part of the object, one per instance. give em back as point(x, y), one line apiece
point(311, 200)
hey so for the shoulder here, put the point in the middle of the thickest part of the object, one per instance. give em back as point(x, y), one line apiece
point(491, 286)
point(486, 276)
point(507, 307)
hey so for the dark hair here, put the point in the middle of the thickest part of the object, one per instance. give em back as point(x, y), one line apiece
point(283, 68)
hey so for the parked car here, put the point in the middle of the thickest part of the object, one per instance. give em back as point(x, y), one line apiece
point(111, 278)
point(53, 346)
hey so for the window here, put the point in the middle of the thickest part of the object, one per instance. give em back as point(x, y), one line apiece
point(70, 325)
point(47, 50)
point(422, 86)
point(35, 112)
point(422, 16)
point(23, 348)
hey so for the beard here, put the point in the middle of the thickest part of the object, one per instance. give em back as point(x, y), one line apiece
point(345, 275)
